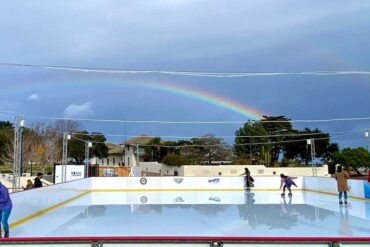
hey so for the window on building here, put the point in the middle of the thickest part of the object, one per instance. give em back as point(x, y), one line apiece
point(128, 161)
point(107, 162)
point(114, 161)
point(219, 173)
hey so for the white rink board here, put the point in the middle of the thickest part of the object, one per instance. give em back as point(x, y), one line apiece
point(30, 201)
point(186, 183)
point(329, 185)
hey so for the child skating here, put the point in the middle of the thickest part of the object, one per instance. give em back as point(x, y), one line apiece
point(287, 182)
point(248, 180)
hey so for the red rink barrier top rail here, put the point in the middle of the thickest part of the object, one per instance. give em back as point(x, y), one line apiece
point(190, 239)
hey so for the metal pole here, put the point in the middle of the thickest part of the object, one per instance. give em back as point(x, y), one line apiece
point(250, 154)
point(137, 154)
point(66, 136)
point(14, 184)
point(313, 154)
point(310, 143)
point(367, 135)
point(17, 159)
point(88, 144)
point(86, 157)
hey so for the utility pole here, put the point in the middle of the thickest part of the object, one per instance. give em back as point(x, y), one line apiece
point(17, 161)
point(66, 137)
point(88, 145)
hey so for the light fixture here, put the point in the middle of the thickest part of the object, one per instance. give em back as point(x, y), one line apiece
point(89, 144)
point(21, 123)
point(308, 141)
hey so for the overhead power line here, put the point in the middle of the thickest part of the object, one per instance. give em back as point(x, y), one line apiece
point(188, 122)
point(186, 73)
point(225, 137)
point(214, 145)
point(185, 122)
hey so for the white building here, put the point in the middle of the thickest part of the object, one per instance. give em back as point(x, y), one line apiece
point(125, 154)
point(115, 157)
point(134, 149)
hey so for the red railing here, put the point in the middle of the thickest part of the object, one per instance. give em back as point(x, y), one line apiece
point(188, 239)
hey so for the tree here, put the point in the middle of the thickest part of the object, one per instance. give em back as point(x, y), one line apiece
point(175, 160)
point(152, 150)
point(298, 148)
point(329, 154)
point(6, 140)
point(243, 145)
point(76, 146)
point(99, 148)
point(210, 148)
point(353, 157)
point(278, 127)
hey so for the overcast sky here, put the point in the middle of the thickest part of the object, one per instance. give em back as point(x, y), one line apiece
point(220, 36)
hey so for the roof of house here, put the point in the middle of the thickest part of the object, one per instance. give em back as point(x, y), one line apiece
point(114, 148)
point(140, 140)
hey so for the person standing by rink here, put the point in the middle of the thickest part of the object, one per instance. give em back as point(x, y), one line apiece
point(342, 184)
point(38, 182)
point(248, 179)
point(287, 182)
point(5, 209)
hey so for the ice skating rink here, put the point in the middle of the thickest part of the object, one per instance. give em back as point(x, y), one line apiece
point(200, 213)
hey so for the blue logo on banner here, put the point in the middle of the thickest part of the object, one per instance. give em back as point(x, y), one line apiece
point(214, 181)
point(367, 189)
point(367, 195)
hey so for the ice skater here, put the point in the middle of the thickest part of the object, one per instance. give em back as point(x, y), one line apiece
point(248, 180)
point(287, 182)
point(5, 209)
point(342, 184)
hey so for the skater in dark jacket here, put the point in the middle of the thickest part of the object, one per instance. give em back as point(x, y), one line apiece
point(5, 209)
point(287, 182)
point(248, 180)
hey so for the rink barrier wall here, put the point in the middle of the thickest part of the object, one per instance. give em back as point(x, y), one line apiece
point(357, 188)
point(186, 183)
point(36, 202)
point(32, 203)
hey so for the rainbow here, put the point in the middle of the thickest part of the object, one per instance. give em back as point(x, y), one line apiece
point(194, 93)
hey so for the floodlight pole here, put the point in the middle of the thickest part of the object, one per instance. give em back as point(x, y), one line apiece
point(311, 142)
point(367, 135)
point(88, 145)
point(17, 159)
point(66, 137)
